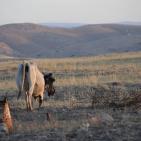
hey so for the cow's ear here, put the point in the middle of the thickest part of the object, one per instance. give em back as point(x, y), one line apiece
point(50, 74)
point(53, 79)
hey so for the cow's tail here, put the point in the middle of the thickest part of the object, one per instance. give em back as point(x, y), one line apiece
point(23, 79)
point(23, 74)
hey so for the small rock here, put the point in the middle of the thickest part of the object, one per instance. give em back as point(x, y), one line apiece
point(100, 118)
point(106, 118)
point(85, 126)
point(48, 116)
point(95, 120)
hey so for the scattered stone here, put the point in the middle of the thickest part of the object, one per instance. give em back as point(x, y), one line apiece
point(95, 120)
point(85, 126)
point(48, 117)
point(100, 119)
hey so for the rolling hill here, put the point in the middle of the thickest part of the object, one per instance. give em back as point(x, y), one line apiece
point(33, 40)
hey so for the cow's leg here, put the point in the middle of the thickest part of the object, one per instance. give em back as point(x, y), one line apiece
point(30, 102)
point(40, 101)
point(27, 101)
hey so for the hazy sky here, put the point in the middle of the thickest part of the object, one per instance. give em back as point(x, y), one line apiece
point(77, 11)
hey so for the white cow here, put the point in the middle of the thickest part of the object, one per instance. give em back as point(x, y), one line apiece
point(30, 81)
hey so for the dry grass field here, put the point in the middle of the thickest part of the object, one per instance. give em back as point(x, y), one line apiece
point(97, 99)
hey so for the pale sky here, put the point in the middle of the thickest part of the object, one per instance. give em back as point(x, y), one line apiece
point(69, 11)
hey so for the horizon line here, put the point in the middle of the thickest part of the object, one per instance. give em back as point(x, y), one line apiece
point(80, 23)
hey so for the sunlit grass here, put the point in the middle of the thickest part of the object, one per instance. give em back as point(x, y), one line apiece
point(80, 71)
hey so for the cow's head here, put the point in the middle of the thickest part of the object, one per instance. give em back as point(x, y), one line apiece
point(49, 79)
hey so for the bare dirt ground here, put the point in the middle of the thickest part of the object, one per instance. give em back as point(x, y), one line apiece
point(75, 119)
point(101, 109)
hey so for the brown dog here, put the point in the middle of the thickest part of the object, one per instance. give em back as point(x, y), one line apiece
point(6, 119)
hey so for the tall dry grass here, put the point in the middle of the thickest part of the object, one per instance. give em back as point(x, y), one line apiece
point(124, 68)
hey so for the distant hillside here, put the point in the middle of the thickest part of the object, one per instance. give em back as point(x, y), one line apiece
point(63, 25)
point(32, 40)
